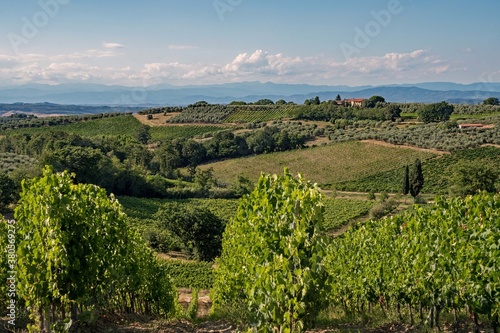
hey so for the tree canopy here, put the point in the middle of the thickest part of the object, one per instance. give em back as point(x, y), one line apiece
point(373, 101)
point(196, 227)
point(491, 101)
point(436, 112)
point(469, 177)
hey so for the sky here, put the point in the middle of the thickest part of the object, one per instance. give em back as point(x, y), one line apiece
point(199, 42)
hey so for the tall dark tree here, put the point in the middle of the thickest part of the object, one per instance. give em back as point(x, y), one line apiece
point(338, 98)
point(406, 181)
point(416, 179)
point(143, 135)
point(393, 112)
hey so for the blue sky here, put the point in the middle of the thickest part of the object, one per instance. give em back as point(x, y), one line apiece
point(181, 42)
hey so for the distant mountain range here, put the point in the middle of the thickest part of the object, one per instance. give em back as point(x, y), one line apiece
point(165, 94)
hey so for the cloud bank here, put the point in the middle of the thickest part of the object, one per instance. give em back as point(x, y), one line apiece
point(97, 66)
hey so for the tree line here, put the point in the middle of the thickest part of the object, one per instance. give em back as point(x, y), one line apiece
point(20, 120)
point(126, 166)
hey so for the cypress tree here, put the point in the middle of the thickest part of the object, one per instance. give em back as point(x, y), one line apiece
point(406, 182)
point(416, 179)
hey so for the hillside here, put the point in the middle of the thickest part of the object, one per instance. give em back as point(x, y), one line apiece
point(325, 165)
point(116, 96)
point(161, 175)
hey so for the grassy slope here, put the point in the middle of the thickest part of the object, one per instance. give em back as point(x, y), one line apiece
point(122, 125)
point(246, 116)
point(338, 212)
point(324, 165)
point(160, 133)
point(144, 208)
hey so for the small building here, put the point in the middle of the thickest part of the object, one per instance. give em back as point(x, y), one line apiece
point(470, 126)
point(351, 102)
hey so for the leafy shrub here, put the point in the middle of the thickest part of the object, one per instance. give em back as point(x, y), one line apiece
point(381, 209)
point(190, 274)
point(273, 254)
point(198, 229)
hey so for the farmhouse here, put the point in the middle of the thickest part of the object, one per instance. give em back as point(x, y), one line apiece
point(353, 102)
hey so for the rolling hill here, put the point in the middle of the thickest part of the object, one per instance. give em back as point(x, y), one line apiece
point(94, 94)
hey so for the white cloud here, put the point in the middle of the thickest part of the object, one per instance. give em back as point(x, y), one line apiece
point(113, 45)
point(182, 47)
point(89, 54)
point(97, 65)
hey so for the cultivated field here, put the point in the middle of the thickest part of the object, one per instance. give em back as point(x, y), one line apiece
point(324, 165)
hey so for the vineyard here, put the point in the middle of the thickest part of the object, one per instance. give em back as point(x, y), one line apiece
point(437, 259)
point(339, 212)
point(263, 114)
point(217, 114)
point(163, 133)
point(214, 114)
point(326, 165)
point(125, 125)
point(436, 172)
point(441, 259)
point(76, 254)
point(189, 274)
point(419, 266)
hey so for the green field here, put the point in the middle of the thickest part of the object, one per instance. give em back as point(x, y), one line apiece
point(339, 212)
point(161, 133)
point(143, 208)
point(436, 172)
point(324, 165)
point(189, 274)
point(122, 125)
point(248, 116)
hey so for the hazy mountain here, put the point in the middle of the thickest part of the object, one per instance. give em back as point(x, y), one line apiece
point(165, 94)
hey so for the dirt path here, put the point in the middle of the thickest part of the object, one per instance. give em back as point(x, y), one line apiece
point(144, 324)
point(386, 144)
point(204, 301)
point(339, 231)
point(490, 145)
